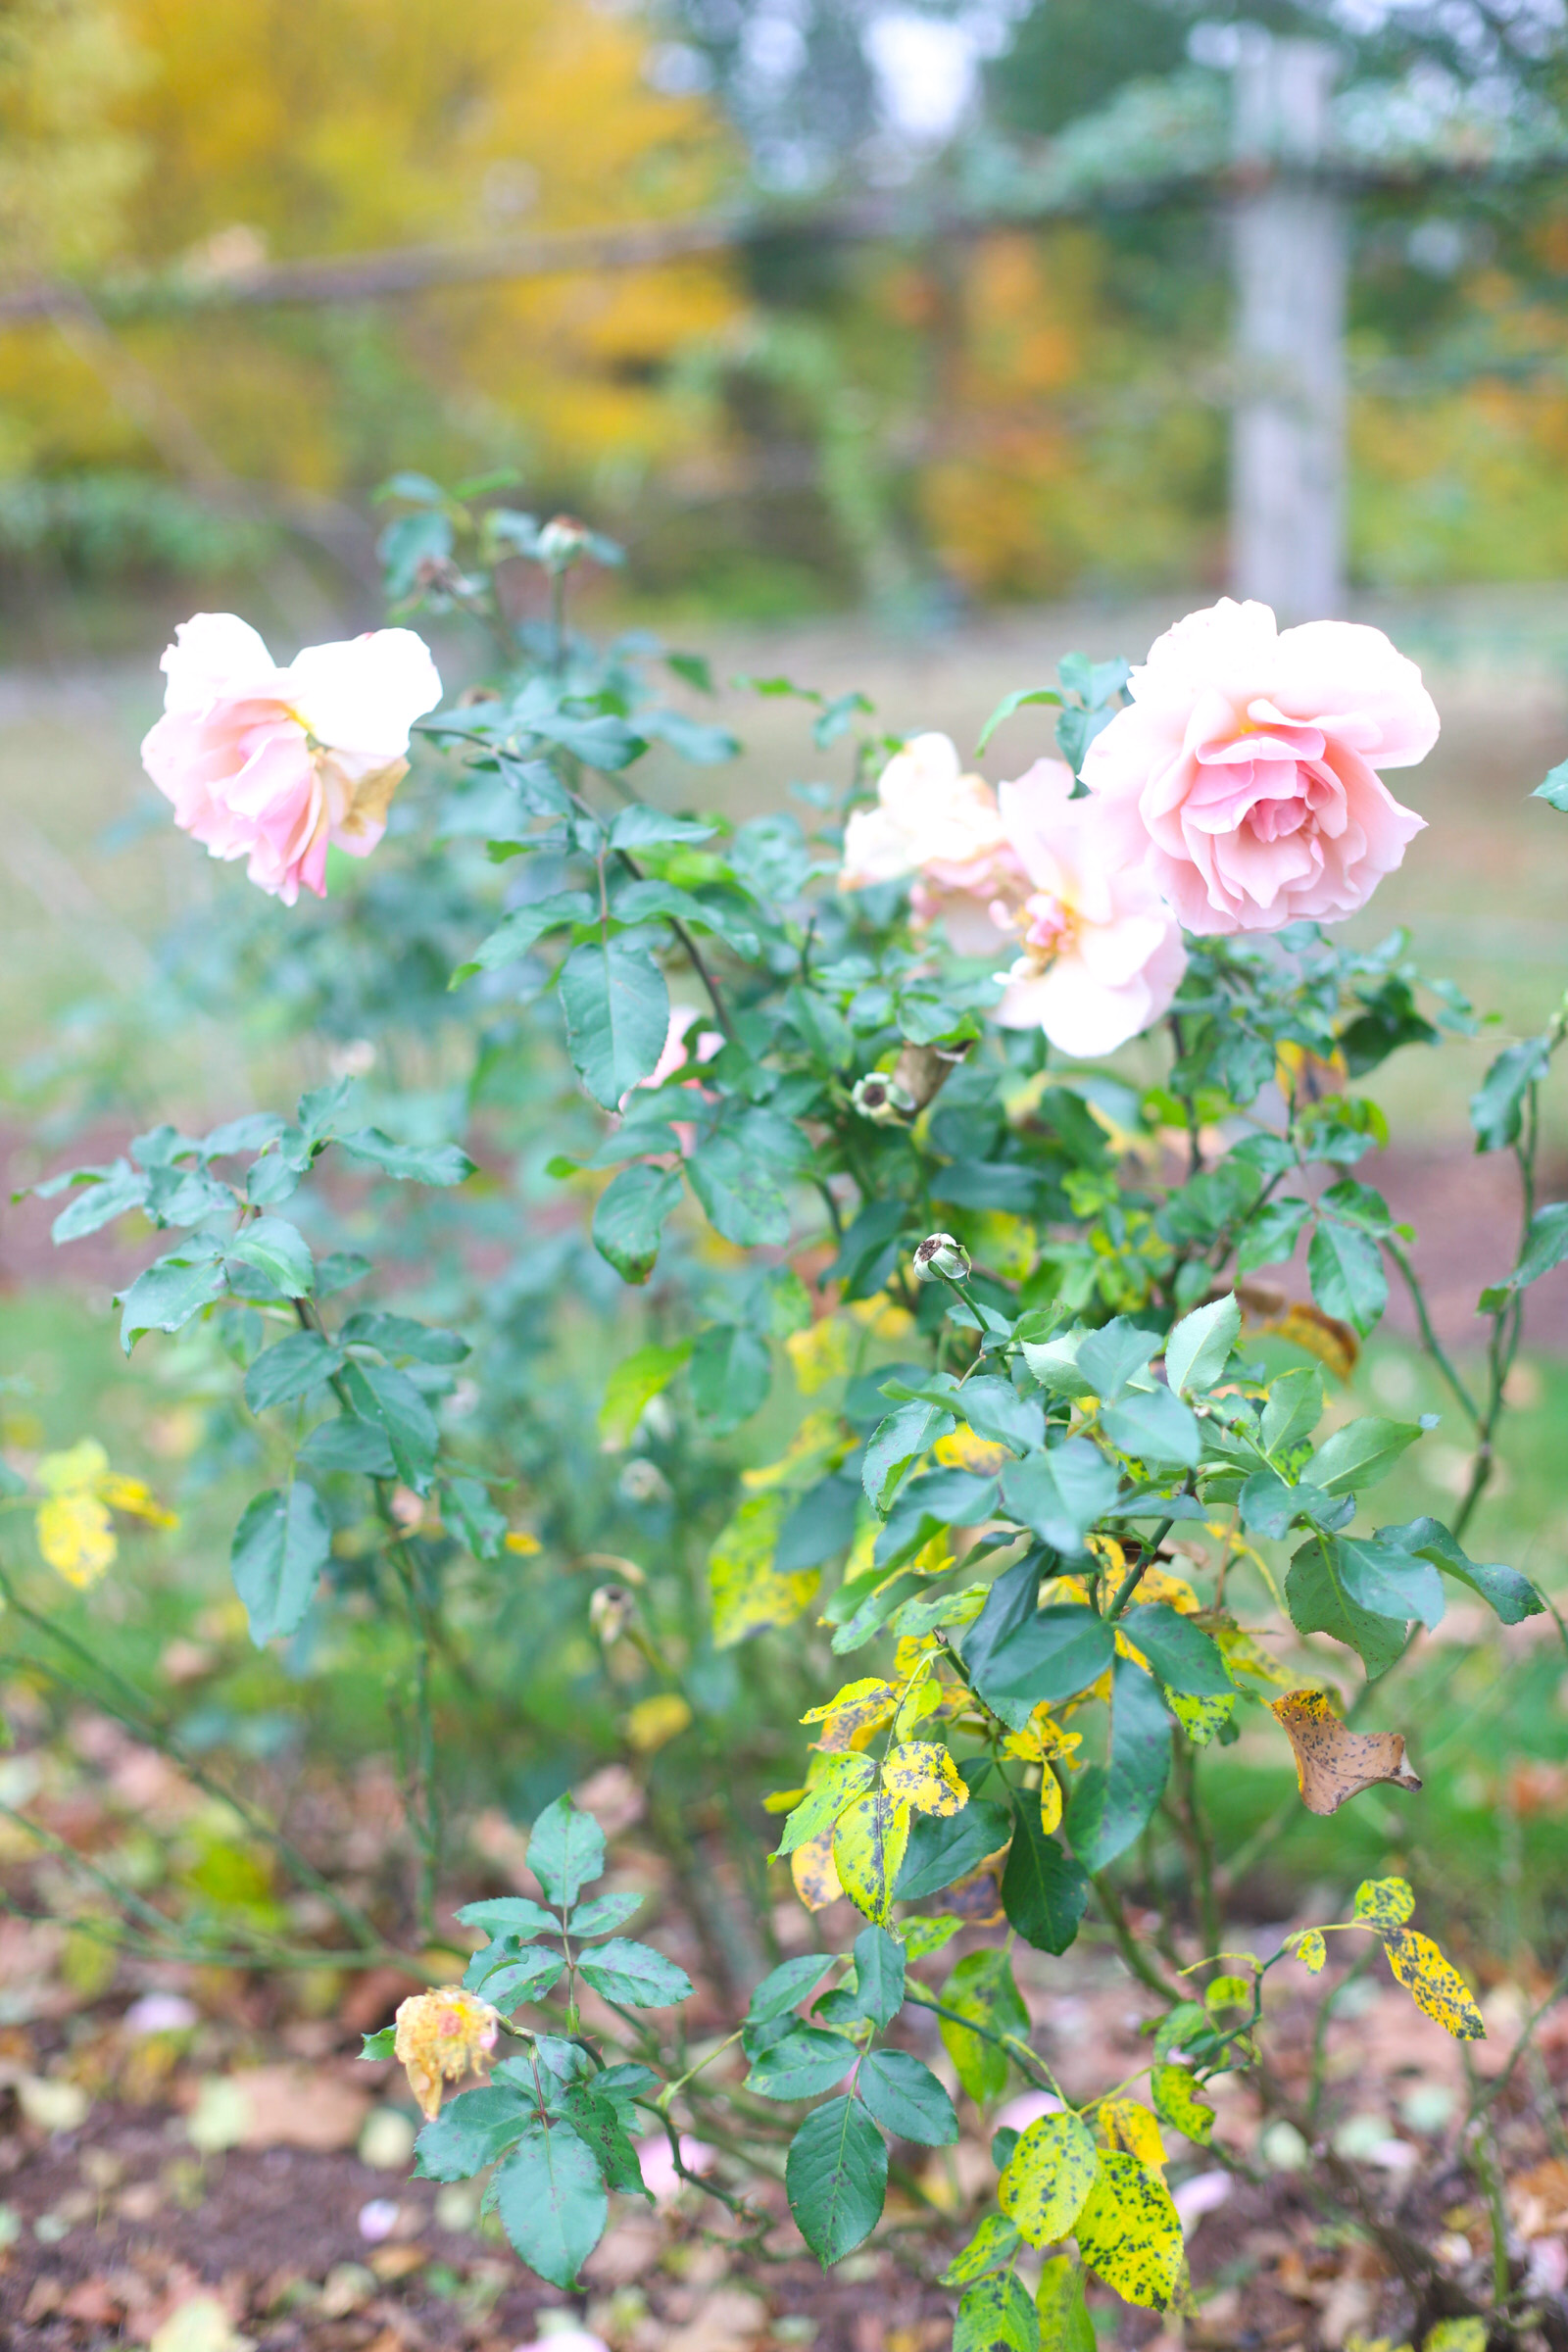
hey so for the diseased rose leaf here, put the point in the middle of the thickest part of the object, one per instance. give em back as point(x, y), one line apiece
point(1333, 1763)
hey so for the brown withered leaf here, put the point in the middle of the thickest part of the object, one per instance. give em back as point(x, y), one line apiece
point(1333, 1763)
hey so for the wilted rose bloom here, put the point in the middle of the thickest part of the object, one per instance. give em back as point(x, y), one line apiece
point(1103, 957)
point(271, 765)
point(1247, 766)
point(441, 2036)
point(934, 821)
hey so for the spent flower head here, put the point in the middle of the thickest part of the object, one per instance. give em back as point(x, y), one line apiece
point(441, 2036)
point(882, 1098)
point(940, 1254)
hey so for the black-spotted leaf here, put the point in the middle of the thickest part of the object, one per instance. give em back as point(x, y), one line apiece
point(1433, 1985)
point(1175, 2097)
point(992, 2242)
point(997, 2315)
point(1383, 1902)
point(1064, 2321)
point(981, 1987)
point(869, 1838)
point(844, 1779)
point(1129, 2233)
point(1050, 2174)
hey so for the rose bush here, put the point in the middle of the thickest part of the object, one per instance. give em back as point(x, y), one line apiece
point(841, 1308)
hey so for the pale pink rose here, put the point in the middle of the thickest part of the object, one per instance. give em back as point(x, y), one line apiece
point(271, 765)
point(1248, 761)
point(934, 821)
point(1102, 956)
point(658, 2163)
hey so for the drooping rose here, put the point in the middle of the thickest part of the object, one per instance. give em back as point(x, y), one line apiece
point(440, 2037)
point(945, 827)
point(1102, 956)
point(271, 765)
point(1247, 766)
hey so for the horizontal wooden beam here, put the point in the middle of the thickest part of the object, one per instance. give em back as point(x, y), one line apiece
point(902, 217)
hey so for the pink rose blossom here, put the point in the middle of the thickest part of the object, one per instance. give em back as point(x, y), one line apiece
point(945, 826)
point(1246, 765)
point(1103, 957)
point(271, 765)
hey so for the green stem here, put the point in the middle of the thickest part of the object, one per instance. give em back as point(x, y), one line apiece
point(1429, 1338)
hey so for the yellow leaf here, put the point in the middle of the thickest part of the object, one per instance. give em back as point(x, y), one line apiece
point(1159, 1584)
point(1333, 1763)
point(654, 1721)
point(1456, 2335)
point(1064, 2321)
point(922, 1698)
point(134, 1495)
point(782, 1801)
point(1242, 1655)
point(922, 1774)
point(933, 1559)
point(1435, 1986)
point(78, 1467)
point(869, 1838)
point(1050, 1801)
point(632, 1386)
point(519, 1541)
point(962, 1450)
point(1129, 2125)
point(1175, 2095)
point(748, 1591)
point(1383, 1902)
point(1310, 1949)
point(77, 1537)
point(1129, 2233)
point(1201, 1718)
point(821, 1352)
point(1049, 2175)
point(819, 1435)
point(912, 1647)
point(1228, 1992)
point(851, 1715)
point(817, 1879)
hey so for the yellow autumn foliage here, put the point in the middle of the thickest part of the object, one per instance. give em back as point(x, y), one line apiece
point(216, 133)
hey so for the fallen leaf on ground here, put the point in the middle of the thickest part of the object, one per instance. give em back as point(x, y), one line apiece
point(1332, 1763)
point(276, 2107)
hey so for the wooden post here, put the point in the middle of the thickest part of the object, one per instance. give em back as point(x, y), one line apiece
point(1290, 247)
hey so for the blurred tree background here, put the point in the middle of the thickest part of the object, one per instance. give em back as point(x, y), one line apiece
point(972, 401)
